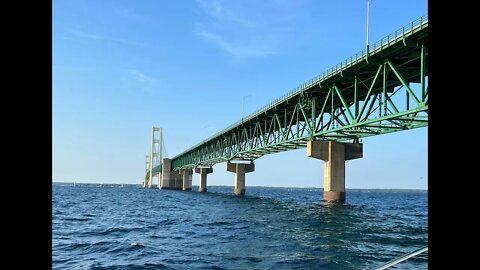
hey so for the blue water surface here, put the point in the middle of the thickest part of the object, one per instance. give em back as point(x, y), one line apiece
point(129, 227)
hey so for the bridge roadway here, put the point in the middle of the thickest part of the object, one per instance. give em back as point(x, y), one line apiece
point(381, 89)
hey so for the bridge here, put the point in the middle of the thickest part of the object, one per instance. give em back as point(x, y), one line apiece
point(381, 89)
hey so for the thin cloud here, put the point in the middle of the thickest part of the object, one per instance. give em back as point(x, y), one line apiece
point(143, 82)
point(85, 35)
point(91, 36)
point(139, 76)
point(132, 15)
point(232, 48)
point(249, 29)
point(220, 12)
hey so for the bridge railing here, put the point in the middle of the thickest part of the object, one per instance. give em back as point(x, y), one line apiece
point(359, 56)
point(400, 33)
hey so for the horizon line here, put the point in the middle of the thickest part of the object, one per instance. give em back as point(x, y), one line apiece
point(97, 183)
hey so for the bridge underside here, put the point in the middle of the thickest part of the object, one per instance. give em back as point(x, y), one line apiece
point(374, 92)
point(383, 91)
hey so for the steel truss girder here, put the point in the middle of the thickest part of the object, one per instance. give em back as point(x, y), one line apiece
point(347, 108)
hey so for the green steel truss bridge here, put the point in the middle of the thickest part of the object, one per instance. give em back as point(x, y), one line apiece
point(352, 100)
point(381, 89)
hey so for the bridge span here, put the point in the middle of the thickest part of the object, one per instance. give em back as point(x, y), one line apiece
point(381, 89)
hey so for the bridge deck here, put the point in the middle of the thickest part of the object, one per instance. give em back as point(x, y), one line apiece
point(346, 90)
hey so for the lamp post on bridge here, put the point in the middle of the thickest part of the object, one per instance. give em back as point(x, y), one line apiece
point(368, 23)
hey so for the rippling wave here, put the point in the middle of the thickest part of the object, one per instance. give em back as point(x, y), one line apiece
point(109, 227)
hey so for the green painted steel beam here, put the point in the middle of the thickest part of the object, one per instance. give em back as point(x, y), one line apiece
point(356, 83)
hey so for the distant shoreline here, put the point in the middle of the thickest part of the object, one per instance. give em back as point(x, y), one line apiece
point(350, 189)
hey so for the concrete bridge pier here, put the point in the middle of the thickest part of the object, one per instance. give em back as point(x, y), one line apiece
point(187, 179)
point(203, 178)
point(334, 154)
point(240, 169)
point(170, 179)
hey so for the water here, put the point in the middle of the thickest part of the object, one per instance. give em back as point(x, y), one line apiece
point(269, 228)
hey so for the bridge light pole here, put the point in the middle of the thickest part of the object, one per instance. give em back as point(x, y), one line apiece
point(368, 23)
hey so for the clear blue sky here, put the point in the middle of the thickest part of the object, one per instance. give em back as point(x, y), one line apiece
point(121, 67)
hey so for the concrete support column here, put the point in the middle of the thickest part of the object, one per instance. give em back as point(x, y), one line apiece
point(178, 180)
point(170, 179)
point(240, 170)
point(203, 178)
point(334, 154)
point(187, 179)
point(166, 173)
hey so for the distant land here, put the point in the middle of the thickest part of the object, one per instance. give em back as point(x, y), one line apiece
point(301, 188)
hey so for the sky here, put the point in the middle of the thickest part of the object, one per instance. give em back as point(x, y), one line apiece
point(193, 67)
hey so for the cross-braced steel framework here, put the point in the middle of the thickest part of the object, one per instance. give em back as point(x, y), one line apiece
point(374, 92)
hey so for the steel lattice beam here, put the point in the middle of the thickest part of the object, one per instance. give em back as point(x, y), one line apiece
point(366, 95)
